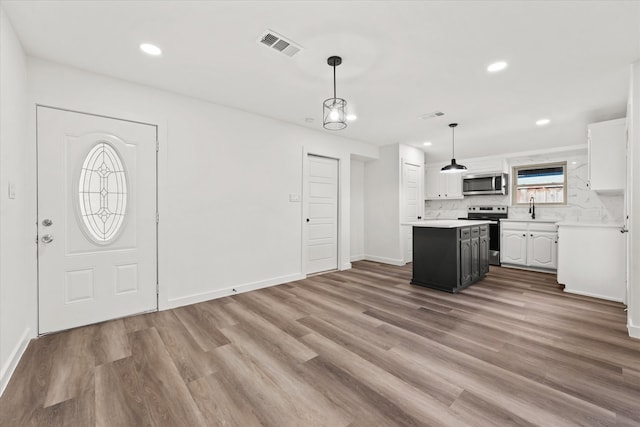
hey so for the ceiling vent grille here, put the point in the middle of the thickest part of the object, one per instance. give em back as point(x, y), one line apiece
point(431, 115)
point(279, 43)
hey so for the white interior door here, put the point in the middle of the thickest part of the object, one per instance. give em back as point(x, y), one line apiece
point(322, 209)
point(412, 196)
point(96, 219)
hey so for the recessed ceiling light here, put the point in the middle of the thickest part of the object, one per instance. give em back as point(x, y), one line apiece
point(351, 117)
point(150, 49)
point(543, 122)
point(427, 144)
point(574, 163)
point(497, 66)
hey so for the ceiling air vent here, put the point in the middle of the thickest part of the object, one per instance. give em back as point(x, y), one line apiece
point(279, 43)
point(431, 115)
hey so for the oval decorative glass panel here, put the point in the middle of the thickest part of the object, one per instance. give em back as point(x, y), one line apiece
point(102, 193)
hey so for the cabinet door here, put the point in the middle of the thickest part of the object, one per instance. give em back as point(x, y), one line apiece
point(484, 255)
point(465, 262)
point(607, 155)
point(513, 249)
point(542, 250)
point(475, 258)
point(432, 183)
point(452, 185)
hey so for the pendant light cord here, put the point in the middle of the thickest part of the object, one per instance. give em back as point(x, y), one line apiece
point(453, 142)
point(334, 82)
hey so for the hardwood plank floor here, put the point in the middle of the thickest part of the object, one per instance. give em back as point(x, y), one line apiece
point(361, 347)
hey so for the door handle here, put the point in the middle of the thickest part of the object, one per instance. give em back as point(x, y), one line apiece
point(624, 230)
point(47, 222)
point(307, 219)
point(47, 238)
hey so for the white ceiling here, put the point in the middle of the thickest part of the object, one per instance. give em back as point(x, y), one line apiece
point(568, 61)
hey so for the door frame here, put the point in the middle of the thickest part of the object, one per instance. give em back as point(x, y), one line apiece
point(305, 208)
point(421, 195)
point(37, 196)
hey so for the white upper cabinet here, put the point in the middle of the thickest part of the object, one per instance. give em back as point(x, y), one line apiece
point(485, 165)
point(607, 156)
point(440, 186)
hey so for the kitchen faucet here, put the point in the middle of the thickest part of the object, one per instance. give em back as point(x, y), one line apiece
point(532, 207)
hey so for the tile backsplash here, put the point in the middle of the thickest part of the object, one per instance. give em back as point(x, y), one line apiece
point(583, 205)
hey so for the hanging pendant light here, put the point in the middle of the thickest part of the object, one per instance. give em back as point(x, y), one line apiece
point(334, 109)
point(453, 167)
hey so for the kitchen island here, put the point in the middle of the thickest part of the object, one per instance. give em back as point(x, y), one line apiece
point(449, 255)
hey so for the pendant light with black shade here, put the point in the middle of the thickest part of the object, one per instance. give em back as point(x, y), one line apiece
point(334, 109)
point(453, 167)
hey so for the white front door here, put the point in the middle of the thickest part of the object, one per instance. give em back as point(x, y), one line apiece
point(412, 196)
point(322, 220)
point(96, 219)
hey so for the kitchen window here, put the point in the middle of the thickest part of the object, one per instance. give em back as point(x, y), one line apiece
point(546, 183)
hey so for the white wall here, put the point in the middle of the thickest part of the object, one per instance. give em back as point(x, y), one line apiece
point(17, 216)
point(381, 207)
point(384, 236)
point(633, 121)
point(357, 210)
point(225, 177)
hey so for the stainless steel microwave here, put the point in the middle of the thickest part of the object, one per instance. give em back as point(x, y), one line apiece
point(486, 183)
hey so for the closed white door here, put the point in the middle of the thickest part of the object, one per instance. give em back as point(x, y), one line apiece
point(96, 219)
point(322, 220)
point(412, 196)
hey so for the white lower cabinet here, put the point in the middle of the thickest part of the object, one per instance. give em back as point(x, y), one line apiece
point(592, 260)
point(542, 249)
point(513, 249)
point(529, 244)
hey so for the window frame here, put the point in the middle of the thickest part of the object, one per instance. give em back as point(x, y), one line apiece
point(515, 186)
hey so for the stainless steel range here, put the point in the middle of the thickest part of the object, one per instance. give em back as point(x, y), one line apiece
point(494, 214)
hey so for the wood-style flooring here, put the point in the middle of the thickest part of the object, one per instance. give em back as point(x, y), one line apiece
point(353, 348)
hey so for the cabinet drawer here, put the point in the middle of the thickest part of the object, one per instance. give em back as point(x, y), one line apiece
point(475, 231)
point(542, 226)
point(465, 233)
point(508, 225)
point(484, 230)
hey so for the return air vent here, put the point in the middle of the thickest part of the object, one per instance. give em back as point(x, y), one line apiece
point(279, 43)
point(431, 115)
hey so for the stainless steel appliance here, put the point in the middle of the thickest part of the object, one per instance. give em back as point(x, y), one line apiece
point(486, 183)
point(493, 214)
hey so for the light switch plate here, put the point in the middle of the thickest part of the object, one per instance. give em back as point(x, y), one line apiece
point(294, 197)
point(12, 190)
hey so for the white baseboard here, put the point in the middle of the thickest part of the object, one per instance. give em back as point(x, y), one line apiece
point(345, 266)
point(528, 268)
point(590, 294)
point(11, 364)
point(634, 331)
point(384, 260)
point(355, 258)
point(232, 290)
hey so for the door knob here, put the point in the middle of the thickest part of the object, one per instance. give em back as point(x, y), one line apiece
point(47, 238)
point(624, 230)
point(47, 222)
point(307, 219)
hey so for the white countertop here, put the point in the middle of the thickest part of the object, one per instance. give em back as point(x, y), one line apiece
point(445, 223)
point(587, 224)
point(548, 221)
